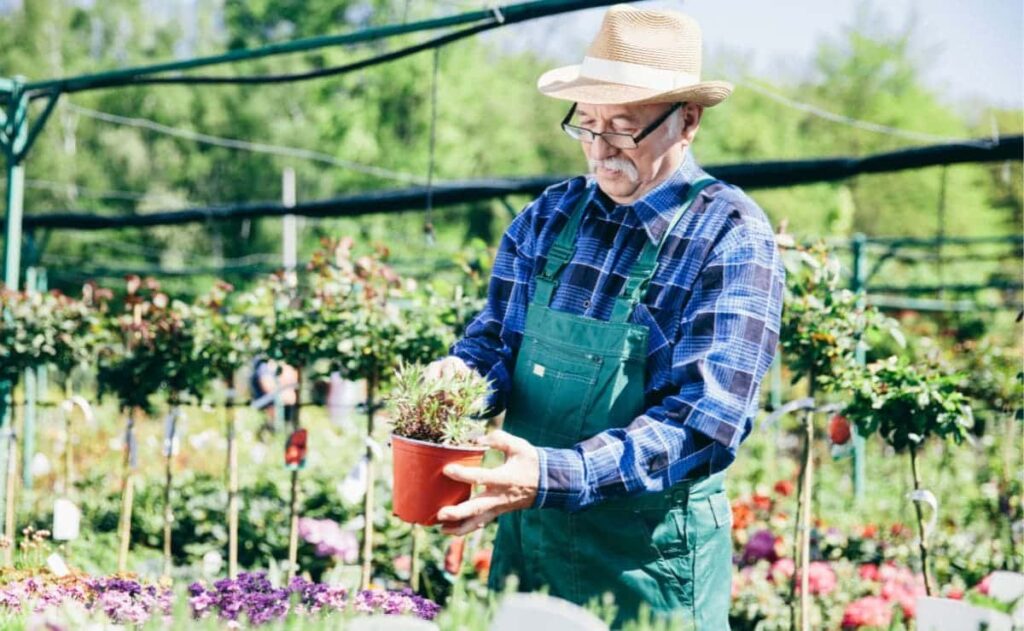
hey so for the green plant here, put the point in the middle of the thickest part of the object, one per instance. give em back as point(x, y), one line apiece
point(437, 410)
point(905, 405)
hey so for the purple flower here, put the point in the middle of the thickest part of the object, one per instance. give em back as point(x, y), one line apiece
point(761, 546)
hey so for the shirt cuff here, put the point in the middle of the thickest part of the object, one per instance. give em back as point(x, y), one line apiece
point(562, 479)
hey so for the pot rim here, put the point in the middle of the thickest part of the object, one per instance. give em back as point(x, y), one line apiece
point(438, 445)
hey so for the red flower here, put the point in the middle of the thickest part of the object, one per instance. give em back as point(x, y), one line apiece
point(868, 531)
point(898, 530)
point(839, 429)
point(482, 562)
point(784, 487)
point(761, 502)
point(453, 556)
point(742, 515)
point(955, 593)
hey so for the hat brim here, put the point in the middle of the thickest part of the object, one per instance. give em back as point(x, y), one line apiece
point(565, 83)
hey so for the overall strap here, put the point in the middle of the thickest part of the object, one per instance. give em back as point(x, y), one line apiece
point(646, 264)
point(561, 251)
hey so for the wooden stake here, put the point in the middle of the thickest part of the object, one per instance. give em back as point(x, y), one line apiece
point(368, 506)
point(169, 480)
point(127, 494)
point(293, 504)
point(232, 423)
point(11, 486)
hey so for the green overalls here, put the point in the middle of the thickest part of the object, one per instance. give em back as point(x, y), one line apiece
point(575, 377)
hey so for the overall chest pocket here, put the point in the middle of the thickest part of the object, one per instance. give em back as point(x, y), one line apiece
point(552, 391)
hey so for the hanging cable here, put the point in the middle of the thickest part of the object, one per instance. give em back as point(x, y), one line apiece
point(428, 226)
point(75, 191)
point(244, 145)
point(434, 43)
point(859, 124)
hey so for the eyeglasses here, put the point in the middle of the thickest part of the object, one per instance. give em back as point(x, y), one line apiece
point(615, 139)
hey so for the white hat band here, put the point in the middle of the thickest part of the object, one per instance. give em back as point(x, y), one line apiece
point(637, 75)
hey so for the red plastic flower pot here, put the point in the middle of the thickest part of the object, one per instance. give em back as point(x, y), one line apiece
point(421, 489)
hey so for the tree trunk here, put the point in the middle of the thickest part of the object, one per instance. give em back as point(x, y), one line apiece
point(923, 542)
point(802, 541)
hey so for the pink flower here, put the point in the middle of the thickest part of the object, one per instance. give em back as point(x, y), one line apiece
point(868, 572)
point(985, 585)
point(869, 611)
point(821, 580)
point(782, 570)
point(403, 564)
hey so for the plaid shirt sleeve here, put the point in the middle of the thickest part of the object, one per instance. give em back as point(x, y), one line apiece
point(492, 338)
point(727, 338)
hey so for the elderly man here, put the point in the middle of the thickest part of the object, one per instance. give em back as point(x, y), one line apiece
point(630, 319)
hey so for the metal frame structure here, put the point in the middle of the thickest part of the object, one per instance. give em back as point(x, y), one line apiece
point(17, 135)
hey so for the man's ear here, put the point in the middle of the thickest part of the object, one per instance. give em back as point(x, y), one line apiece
point(691, 114)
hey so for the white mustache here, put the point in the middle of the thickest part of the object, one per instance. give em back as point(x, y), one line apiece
point(616, 164)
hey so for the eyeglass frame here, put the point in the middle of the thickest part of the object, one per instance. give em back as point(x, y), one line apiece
point(646, 131)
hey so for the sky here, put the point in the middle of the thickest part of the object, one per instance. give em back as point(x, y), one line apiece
point(974, 48)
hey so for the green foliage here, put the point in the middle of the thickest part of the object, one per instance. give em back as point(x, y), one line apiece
point(823, 324)
point(224, 338)
point(437, 409)
point(45, 328)
point(154, 346)
point(906, 404)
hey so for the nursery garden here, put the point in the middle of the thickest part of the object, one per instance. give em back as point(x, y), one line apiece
point(228, 440)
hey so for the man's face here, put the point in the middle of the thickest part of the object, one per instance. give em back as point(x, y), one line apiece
point(625, 175)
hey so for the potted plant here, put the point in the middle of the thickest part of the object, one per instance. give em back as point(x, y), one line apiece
point(432, 426)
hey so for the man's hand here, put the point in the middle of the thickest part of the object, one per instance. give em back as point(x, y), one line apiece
point(446, 367)
point(512, 486)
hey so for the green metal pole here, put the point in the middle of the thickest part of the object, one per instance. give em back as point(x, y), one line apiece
point(507, 14)
point(858, 285)
point(13, 134)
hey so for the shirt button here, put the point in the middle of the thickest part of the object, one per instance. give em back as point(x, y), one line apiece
point(586, 304)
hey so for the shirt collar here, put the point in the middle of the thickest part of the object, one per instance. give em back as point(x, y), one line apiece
point(658, 206)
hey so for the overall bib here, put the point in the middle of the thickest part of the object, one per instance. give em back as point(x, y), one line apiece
point(576, 376)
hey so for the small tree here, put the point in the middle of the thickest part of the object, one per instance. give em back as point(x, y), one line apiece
point(823, 325)
point(225, 342)
point(905, 405)
point(152, 346)
point(372, 322)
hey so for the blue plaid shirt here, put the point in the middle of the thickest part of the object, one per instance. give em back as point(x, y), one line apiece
point(713, 311)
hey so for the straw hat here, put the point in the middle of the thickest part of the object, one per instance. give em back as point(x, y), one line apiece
point(638, 56)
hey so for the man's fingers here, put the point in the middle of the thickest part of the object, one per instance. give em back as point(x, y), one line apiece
point(469, 525)
point(470, 508)
point(476, 475)
point(503, 441)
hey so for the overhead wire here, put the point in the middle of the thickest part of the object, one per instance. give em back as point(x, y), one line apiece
point(245, 145)
point(319, 73)
point(857, 123)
